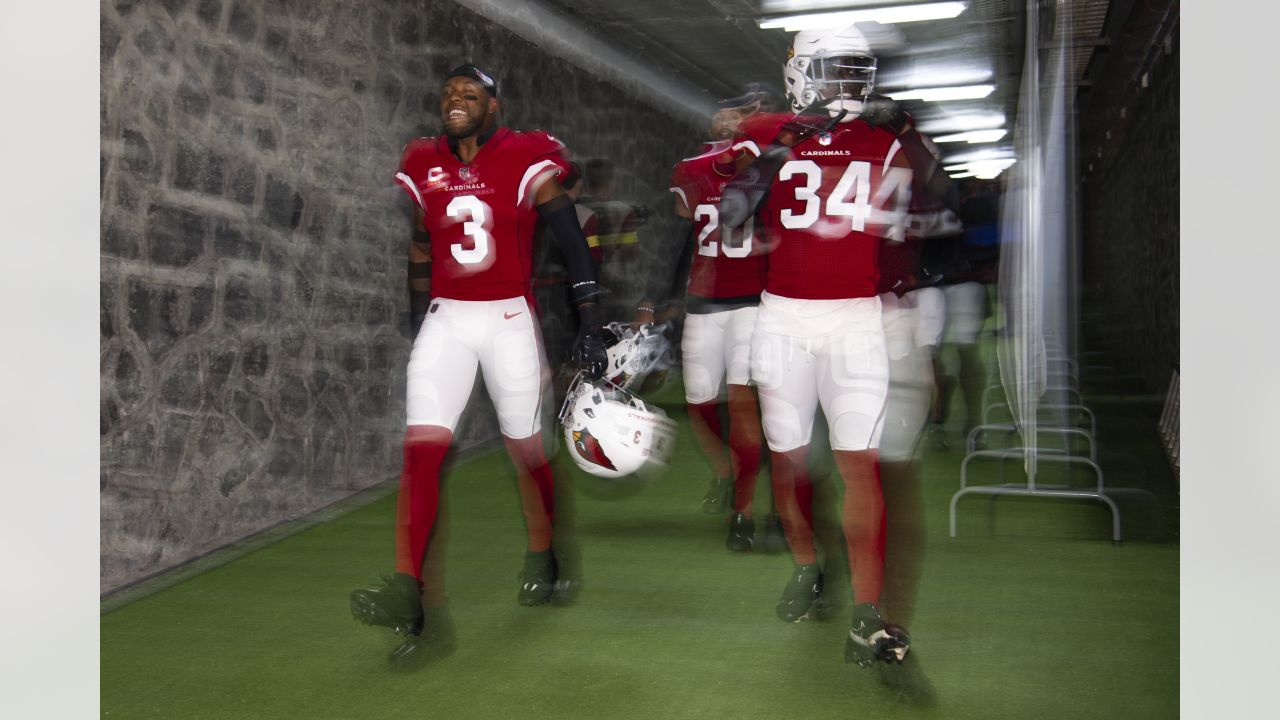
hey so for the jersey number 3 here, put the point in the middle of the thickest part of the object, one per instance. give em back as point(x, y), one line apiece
point(477, 220)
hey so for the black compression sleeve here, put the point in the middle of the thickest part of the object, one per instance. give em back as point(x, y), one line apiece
point(665, 287)
point(419, 275)
point(559, 215)
point(930, 177)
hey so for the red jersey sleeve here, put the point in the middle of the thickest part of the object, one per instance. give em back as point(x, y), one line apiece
point(413, 173)
point(547, 159)
point(679, 183)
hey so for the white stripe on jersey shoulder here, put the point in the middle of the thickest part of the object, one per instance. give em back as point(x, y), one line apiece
point(534, 177)
point(888, 158)
point(713, 148)
point(680, 192)
point(409, 185)
point(748, 145)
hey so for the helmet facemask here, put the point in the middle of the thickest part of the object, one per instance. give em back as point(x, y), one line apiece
point(835, 81)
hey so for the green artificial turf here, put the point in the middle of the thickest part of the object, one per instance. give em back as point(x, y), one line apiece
point(1030, 613)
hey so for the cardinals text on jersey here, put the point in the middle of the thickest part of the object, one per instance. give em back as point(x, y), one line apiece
point(480, 215)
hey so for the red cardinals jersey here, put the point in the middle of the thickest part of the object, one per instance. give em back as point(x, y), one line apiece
point(480, 215)
point(719, 269)
point(829, 206)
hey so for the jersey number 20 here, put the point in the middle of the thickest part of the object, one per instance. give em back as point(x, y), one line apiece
point(710, 247)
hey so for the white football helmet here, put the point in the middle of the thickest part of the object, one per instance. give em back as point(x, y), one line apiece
point(635, 353)
point(611, 433)
point(835, 68)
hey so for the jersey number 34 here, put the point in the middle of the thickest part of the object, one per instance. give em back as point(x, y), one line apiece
point(852, 197)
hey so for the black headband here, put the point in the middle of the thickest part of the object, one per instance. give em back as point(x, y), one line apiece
point(471, 72)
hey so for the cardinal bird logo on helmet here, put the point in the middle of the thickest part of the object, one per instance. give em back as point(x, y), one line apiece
point(589, 448)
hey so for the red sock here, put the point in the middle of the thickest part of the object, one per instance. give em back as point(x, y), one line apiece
point(424, 450)
point(537, 488)
point(804, 494)
point(794, 507)
point(704, 421)
point(862, 518)
point(744, 445)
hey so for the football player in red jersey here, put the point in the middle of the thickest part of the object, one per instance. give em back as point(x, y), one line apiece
point(836, 186)
point(724, 281)
point(480, 189)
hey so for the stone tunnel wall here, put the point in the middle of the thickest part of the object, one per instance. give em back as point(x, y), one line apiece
point(253, 304)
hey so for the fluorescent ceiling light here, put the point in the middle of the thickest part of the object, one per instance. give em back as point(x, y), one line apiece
point(883, 15)
point(973, 136)
point(965, 174)
point(777, 7)
point(963, 92)
point(935, 74)
point(961, 122)
point(979, 167)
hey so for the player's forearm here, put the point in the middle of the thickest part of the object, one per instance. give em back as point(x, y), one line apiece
point(419, 274)
point(663, 288)
point(559, 215)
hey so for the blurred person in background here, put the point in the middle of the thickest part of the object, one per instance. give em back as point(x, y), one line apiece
point(968, 268)
point(618, 225)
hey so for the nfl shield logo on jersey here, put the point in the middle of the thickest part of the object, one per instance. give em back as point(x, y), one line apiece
point(467, 174)
point(824, 139)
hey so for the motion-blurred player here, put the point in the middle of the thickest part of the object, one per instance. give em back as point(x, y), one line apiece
point(724, 281)
point(828, 186)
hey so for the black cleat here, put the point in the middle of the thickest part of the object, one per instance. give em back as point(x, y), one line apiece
point(801, 594)
point(396, 603)
point(742, 532)
point(772, 539)
point(719, 496)
point(436, 641)
point(538, 578)
point(871, 638)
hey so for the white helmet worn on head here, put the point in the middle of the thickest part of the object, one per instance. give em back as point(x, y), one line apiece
point(834, 69)
point(635, 353)
point(611, 433)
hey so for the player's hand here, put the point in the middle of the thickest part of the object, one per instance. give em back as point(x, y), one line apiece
point(589, 353)
point(883, 112)
point(742, 195)
point(802, 127)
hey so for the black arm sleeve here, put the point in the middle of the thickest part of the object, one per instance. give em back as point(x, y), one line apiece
point(665, 287)
point(560, 217)
point(418, 272)
point(743, 196)
point(929, 177)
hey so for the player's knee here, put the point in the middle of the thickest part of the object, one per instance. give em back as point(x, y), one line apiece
point(697, 386)
point(783, 430)
point(852, 430)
